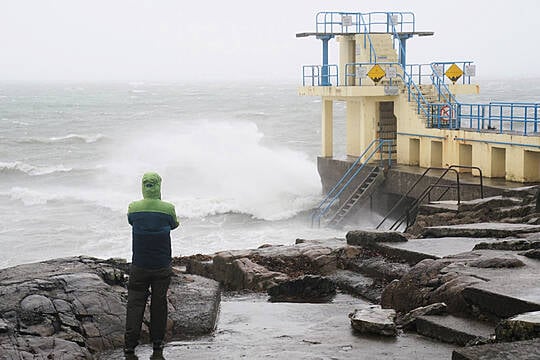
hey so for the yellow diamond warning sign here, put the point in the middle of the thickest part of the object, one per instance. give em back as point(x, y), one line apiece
point(454, 73)
point(376, 73)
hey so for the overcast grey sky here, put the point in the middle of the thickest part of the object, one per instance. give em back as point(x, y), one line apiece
point(238, 39)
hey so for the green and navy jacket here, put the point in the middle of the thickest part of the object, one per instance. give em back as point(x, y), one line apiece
point(152, 220)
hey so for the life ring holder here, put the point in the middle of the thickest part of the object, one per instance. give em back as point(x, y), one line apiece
point(445, 114)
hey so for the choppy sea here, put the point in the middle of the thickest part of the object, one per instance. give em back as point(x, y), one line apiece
point(237, 160)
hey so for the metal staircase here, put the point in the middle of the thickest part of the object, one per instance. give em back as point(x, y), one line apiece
point(362, 192)
point(375, 148)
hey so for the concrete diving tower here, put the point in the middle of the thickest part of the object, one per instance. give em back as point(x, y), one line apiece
point(412, 108)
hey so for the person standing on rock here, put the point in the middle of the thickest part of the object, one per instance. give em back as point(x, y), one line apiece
point(152, 220)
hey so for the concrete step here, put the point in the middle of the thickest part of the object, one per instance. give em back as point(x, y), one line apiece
point(498, 230)
point(454, 330)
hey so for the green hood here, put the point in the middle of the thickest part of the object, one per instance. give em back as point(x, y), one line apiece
point(151, 186)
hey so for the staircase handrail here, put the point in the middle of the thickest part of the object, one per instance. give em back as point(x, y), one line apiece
point(423, 195)
point(429, 187)
point(439, 83)
point(343, 183)
point(421, 102)
point(451, 167)
point(421, 105)
point(403, 197)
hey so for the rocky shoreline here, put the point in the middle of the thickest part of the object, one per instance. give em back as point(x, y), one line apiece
point(73, 308)
point(464, 275)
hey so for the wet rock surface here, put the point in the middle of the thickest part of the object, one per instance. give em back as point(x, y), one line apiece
point(408, 320)
point(264, 268)
point(370, 237)
point(374, 320)
point(493, 291)
point(513, 245)
point(307, 288)
point(250, 327)
point(479, 230)
point(75, 307)
point(359, 285)
point(455, 330)
point(520, 327)
point(516, 205)
point(533, 254)
point(522, 350)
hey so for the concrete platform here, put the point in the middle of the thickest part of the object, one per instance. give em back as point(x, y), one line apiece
point(252, 328)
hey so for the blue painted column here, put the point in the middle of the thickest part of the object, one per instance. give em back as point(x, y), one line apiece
point(325, 78)
point(403, 48)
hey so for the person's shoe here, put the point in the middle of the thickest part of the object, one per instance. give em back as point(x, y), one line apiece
point(129, 354)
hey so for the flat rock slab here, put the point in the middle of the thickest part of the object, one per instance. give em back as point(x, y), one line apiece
point(520, 327)
point(357, 284)
point(480, 230)
point(454, 330)
point(519, 350)
point(408, 321)
point(250, 327)
point(308, 288)
point(509, 291)
point(262, 268)
point(491, 202)
point(77, 306)
point(374, 320)
point(441, 246)
point(370, 237)
point(465, 287)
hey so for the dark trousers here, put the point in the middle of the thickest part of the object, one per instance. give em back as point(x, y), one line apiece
point(140, 280)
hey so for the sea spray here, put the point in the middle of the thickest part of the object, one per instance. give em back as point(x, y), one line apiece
point(213, 167)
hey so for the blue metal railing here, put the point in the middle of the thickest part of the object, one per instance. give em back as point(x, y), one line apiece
point(334, 22)
point(345, 23)
point(501, 117)
point(373, 148)
point(312, 75)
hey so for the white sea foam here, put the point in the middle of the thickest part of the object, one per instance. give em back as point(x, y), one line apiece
point(88, 139)
point(18, 166)
point(85, 138)
point(214, 167)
